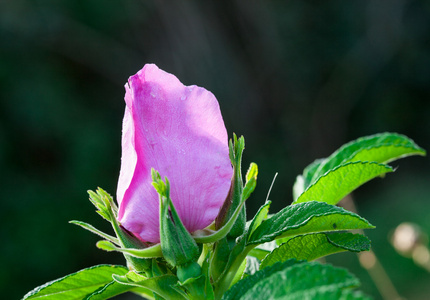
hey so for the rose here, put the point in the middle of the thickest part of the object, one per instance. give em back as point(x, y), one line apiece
point(179, 131)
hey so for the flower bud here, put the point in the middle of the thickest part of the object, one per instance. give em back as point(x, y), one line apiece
point(179, 131)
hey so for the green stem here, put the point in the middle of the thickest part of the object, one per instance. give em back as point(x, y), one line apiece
point(203, 255)
point(196, 289)
point(227, 279)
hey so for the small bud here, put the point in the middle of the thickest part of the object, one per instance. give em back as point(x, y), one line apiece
point(234, 197)
point(178, 246)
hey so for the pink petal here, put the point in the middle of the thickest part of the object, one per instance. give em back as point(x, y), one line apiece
point(178, 131)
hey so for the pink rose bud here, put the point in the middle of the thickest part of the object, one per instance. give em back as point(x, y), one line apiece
point(179, 131)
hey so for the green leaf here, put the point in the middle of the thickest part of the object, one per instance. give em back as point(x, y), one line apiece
point(381, 148)
point(239, 272)
point(259, 253)
point(251, 181)
point(259, 217)
point(162, 285)
point(309, 171)
point(91, 228)
point(305, 281)
point(234, 260)
point(339, 182)
point(78, 285)
point(248, 282)
point(252, 172)
point(349, 241)
point(313, 246)
point(308, 217)
point(220, 259)
point(209, 292)
point(262, 250)
point(113, 289)
point(149, 252)
point(299, 187)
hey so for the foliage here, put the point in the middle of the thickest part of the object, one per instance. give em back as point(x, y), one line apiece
point(306, 76)
point(211, 264)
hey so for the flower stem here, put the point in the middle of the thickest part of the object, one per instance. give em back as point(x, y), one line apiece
point(227, 279)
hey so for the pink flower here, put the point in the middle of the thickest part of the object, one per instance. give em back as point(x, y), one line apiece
point(179, 131)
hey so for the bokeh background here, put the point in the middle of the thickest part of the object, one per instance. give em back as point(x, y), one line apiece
point(296, 78)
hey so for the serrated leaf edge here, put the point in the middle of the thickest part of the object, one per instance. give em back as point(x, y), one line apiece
point(389, 169)
point(50, 283)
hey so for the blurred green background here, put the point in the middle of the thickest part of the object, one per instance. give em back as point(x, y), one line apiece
point(296, 78)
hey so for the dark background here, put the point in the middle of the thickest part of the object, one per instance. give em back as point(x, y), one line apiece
point(296, 78)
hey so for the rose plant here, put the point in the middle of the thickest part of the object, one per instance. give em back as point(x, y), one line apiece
point(181, 223)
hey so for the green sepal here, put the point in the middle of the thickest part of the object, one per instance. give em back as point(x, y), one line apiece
point(188, 271)
point(194, 288)
point(94, 230)
point(234, 197)
point(107, 208)
point(207, 236)
point(159, 269)
point(178, 246)
point(129, 241)
point(228, 260)
point(104, 203)
point(251, 181)
point(149, 252)
point(201, 236)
